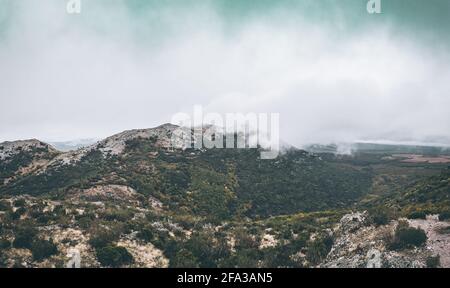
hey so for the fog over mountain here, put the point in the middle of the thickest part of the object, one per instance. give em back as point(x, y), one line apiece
point(334, 72)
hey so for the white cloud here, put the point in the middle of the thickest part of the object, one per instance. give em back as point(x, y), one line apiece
point(60, 79)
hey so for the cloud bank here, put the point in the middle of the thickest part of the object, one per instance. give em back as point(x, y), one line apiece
point(112, 68)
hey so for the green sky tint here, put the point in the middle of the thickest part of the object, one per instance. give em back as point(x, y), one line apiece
point(430, 18)
point(422, 20)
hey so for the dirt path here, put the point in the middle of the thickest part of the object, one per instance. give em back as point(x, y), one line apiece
point(437, 242)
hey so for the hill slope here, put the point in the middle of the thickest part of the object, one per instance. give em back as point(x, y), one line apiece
point(216, 183)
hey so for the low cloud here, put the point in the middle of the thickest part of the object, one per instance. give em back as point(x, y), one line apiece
point(63, 78)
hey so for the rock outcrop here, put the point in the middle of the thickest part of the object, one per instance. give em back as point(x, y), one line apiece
point(360, 244)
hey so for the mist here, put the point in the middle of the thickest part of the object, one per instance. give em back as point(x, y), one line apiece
point(110, 69)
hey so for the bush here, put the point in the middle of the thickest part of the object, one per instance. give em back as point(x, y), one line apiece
point(24, 237)
point(433, 261)
point(4, 244)
point(44, 218)
point(417, 215)
point(412, 236)
point(42, 249)
point(19, 203)
point(319, 249)
point(120, 215)
point(184, 259)
point(444, 230)
point(102, 238)
point(84, 222)
point(444, 216)
point(147, 234)
point(4, 205)
point(113, 256)
point(20, 211)
point(406, 237)
point(209, 250)
point(380, 216)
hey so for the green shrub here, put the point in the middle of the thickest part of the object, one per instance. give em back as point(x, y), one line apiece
point(380, 216)
point(433, 261)
point(24, 237)
point(319, 249)
point(42, 249)
point(113, 256)
point(147, 234)
point(44, 218)
point(84, 222)
point(444, 216)
point(444, 230)
point(120, 215)
point(12, 216)
point(207, 248)
point(184, 259)
point(4, 244)
point(20, 211)
point(406, 237)
point(102, 238)
point(417, 215)
point(4, 205)
point(19, 203)
point(281, 255)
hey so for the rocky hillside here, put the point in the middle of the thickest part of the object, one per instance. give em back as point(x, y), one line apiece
point(21, 158)
point(131, 200)
point(215, 183)
point(359, 243)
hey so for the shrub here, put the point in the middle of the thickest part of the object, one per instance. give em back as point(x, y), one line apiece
point(85, 222)
point(433, 261)
point(20, 211)
point(406, 237)
point(19, 203)
point(44, 218)
point(4, 205)
point(417, 215)
point(113, 256)
point(319, 249)
point(24, 237)
point(444, 230)
point(120, 215)
point(4, 244)
point(184, 259)
point(13, 216)
point(380, 216)
point(412, 236)
point(146, 234)
point(444, 216)
point(42, 249)
point(243, 240)
point(102, 239)
point(208, 249)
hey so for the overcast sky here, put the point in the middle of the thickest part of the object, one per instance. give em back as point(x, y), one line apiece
point(334, 72)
